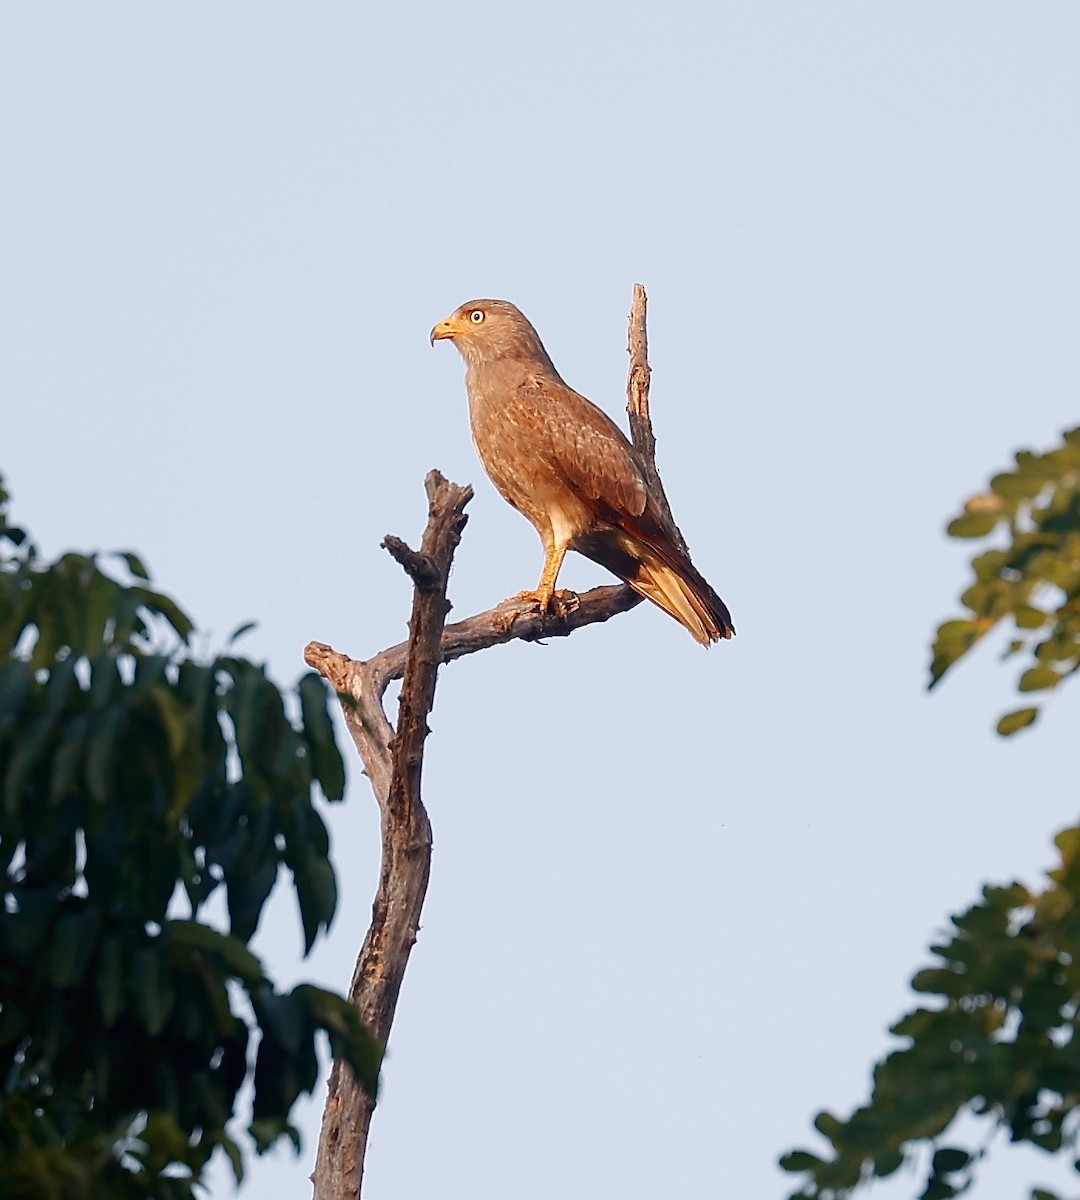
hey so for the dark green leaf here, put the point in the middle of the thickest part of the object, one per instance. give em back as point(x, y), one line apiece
point(349, 1038)
point(316, 891)
point(282, 1016)
point(827, 1125)
point(239, 632)
point(329, 769)
point(232, 1152)
point(935, 981)
point(800, 1160)
point(947, 1160)
point(110, 981)
point(72, 944)
point(267, 1130)
point(151, 987)
point(230, 951)
point(887, 1163)
point(248, 889)
point(169, 610)
point(100, 761)
point(134, 565)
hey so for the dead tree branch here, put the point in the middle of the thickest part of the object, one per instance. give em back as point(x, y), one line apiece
point(637, 407)
point(393, 758)
point(393, 761)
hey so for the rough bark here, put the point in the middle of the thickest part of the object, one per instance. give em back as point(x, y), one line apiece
point(637, 406)
point(393, 761)
point(393, 758)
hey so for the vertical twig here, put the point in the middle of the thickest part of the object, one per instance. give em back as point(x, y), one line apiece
point(637, 407)
point(638, 381)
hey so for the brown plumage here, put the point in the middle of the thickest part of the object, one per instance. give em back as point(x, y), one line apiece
point(564, 464)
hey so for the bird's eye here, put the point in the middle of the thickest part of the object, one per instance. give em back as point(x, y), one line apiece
point(476, 316)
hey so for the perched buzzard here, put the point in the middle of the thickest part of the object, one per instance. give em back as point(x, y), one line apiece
point(568, 467)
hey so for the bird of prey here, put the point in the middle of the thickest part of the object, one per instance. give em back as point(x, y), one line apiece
point(567, 467)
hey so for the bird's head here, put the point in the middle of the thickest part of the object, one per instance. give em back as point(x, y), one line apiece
point(486, 330)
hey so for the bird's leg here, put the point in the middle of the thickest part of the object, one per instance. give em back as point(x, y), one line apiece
point(545, 589)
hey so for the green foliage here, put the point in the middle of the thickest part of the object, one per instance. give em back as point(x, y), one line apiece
point(1000, 1037)
point(1031, 577)
point(137, 782)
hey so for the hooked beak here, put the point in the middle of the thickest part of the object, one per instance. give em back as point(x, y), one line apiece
point(446, 329)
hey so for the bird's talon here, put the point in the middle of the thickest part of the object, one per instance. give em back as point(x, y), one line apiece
point(531, 597)
point(556, 605)
point(567, 601)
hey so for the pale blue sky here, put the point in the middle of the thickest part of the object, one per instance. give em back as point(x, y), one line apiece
point(676, 895)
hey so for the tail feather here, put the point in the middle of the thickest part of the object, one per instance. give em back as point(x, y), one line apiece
point(674, 586)
point(686, 597)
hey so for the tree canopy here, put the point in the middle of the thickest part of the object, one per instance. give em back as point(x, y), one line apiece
point(145, 789)
point(998, 1033)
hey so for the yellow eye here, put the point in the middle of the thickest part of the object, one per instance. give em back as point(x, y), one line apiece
point(477, 316)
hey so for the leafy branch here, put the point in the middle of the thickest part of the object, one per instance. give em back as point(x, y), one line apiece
point(136, 783)
point(999, 1037)
point(1032, 580)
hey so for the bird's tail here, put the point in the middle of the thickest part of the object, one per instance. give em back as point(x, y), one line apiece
point(685, 595)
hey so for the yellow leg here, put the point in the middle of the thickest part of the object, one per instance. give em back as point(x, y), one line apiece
point(545, 589)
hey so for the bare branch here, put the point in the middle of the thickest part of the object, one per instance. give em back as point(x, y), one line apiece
point(418, 567)
point(393, 763)
point(361, 703)
point(637, 407)
point(513, 620)
point(639, 379)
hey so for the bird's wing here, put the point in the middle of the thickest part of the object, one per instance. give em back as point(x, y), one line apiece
point(592, 452)
point(599, 463)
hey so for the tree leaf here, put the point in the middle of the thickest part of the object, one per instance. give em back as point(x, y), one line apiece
point(1038, 679)
point(110, 981)
point(947, 1160)
point(316, 890)
point(800, 1160)
point(1013, 722)
point(328, 767)
point(1017, 486)
point(1027, 616)
point(134, 564)
point(151, 987)
point(972, 525)
point(228, 950)
point(73, 942)
point(239, 632)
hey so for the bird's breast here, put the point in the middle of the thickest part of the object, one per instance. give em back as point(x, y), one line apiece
point(512, 441)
